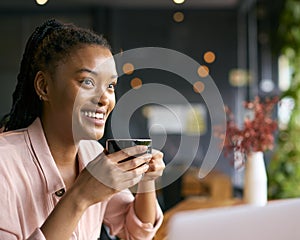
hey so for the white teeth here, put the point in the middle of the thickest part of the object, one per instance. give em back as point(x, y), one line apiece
point(99, 115)
point(94, 115)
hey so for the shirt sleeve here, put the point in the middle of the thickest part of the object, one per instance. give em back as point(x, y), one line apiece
point(37, 235)
point(6, 235)
point(141, 230)
point(120, 217)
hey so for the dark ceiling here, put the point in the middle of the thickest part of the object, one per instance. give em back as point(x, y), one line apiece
point(17, 4)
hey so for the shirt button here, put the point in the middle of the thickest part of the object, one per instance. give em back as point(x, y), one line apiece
point(60, 192)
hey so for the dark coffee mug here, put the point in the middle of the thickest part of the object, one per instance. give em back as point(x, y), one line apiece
point(114, 145)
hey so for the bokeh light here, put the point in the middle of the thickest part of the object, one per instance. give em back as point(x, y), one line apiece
point(238, 77)
point(203, 71)
point(209, 57)
point(198, 87)
point(178, 17)
point(136, 83)
point(178, 1)
point(41, 2)
point(128, 68)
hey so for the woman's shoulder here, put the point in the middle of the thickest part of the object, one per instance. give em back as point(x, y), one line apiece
point(13, 149)
point(12, 140)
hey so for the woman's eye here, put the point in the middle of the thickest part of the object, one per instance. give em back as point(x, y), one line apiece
point(112, 86)
point(88, 82)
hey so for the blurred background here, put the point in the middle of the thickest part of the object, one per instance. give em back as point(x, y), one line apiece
point(235, 41)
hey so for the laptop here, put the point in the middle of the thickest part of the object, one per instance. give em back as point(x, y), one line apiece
point(278, 220)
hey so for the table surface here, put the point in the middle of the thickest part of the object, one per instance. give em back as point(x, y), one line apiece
point(192, 203)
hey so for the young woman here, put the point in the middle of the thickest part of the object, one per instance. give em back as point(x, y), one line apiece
point(56, 181)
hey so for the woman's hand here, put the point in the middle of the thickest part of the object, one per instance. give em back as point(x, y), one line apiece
point(156, 166)
point(109, 173)
point(100, 180)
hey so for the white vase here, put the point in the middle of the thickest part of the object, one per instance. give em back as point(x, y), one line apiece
point(255, 181)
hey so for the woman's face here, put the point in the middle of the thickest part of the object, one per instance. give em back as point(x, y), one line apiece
point(81, 93)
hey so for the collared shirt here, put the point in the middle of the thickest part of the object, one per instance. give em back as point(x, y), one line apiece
point(31, 186)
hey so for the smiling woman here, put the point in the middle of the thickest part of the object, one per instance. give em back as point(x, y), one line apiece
point(52, 168)
point(82, 86)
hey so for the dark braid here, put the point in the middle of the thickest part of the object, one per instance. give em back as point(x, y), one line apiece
point(49, 44)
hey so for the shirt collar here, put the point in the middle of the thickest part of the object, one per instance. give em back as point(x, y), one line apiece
point(43, 155)
point(87, 151)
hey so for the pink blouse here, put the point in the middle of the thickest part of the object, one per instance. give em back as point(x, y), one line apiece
point(31, 185)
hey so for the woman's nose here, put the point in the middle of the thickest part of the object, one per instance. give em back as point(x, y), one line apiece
point(103, 99)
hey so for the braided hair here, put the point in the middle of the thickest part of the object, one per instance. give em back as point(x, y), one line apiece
point(49, 43)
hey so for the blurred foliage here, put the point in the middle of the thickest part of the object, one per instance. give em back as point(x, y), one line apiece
point(284, 167)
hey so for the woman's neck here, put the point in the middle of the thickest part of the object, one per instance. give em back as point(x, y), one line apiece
point(64, 152)
point(65, 157)
point(61, 143)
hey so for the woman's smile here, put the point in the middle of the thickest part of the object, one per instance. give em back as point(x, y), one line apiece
point(95, 117)
point(84, 83)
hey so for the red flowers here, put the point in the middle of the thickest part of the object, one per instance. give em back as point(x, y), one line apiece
point(258, 130)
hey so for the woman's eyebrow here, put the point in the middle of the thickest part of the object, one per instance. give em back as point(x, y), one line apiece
point(93, 72)
point(87, 70)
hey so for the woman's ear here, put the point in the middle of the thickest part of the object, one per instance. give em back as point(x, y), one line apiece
point(41, 85)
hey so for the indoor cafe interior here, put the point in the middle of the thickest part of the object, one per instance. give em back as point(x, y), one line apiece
point(215, 84)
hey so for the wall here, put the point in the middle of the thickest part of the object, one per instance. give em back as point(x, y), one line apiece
point(201, 31)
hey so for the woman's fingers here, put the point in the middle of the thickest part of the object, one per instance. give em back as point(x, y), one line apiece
point(120, 180)
point(135, 162)
point(118, 175)
point(126, 153)
point(107, 175)
point(156, 166)
point(157, 154)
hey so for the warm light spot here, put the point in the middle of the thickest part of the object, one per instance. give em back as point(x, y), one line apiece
point(238, 77)
point(209, 57)
point(203, 71)
point(178, 1)
point(198, 87)
point(41, 2)
point(128, 68)
point(136, 83)
point(178, 17)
